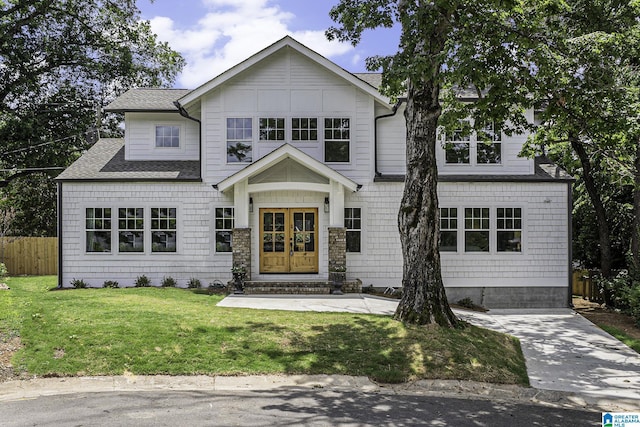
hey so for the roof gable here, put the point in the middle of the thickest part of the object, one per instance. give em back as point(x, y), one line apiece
point(285, 43)
point(283, 154)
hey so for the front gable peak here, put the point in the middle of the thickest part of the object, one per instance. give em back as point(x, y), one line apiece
point(286, 42)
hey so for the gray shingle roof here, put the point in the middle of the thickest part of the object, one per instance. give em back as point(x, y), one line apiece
point(105, 162)
point(374, 79)
point(147, 99)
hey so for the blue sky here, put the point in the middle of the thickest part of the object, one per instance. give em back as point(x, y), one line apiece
point(214, 35)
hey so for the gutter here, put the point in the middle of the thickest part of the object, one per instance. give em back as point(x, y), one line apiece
point(375, 133)
point(184, 113)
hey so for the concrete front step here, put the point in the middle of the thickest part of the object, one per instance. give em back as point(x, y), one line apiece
point(308, 287)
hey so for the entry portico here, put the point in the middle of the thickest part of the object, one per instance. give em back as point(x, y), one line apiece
point(291, 235)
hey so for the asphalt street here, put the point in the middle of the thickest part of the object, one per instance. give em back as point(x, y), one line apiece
point(283, 407)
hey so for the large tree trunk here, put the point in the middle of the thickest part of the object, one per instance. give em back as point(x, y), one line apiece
point(423, 298)
point(635, 236)
point(604, 236)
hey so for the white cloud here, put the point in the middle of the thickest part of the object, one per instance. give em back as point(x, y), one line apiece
point(229, 33)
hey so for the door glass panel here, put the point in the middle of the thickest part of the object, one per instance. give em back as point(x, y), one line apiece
point(298, 224)
point(279, 222)
point(309, 222)
point(268, 222)
point(280, 243)
point(267, 242)
point(310, 244)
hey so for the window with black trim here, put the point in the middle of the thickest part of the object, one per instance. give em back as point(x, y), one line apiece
point(163, 229)
point(271, 129)
point(353, 224)
point(448, 229)
point(336, 140)
point(239, 140)
point(130, 229)
point(98, 229)
point(224, 219)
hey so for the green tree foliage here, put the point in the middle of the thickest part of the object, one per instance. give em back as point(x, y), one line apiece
point(586, 89)
point(60, 62)
point(443, 45)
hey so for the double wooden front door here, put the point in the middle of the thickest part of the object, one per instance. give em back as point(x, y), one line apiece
point(289, 240)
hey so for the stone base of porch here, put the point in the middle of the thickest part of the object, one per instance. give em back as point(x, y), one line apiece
point(319, 287)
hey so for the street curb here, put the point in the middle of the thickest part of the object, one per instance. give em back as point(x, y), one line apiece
point(40, 387)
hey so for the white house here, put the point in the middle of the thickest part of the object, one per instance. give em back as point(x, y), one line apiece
point(289, 166)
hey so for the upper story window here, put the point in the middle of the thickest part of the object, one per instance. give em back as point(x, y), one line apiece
point(336, 140)
point(167, 136)
point(239, 140)
point(98, 229)
point(304, 129)
point(489, 145)
point(448, 229)
point(458, 147)
point(464, 147)
point(271, 129)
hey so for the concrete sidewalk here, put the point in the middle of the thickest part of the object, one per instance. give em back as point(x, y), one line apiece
point(563, 351)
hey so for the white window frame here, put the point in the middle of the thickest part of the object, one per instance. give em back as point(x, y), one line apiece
point(278, 130)
point(216, 229)
point(180, 128)
point(333, 139)
point(127, 229)
point(353, 229)
point(300, 128)
point(153, 231)
point(473, 229)
point(513, 218)
point(447, 220)
point(242, 140)
point(87, 229)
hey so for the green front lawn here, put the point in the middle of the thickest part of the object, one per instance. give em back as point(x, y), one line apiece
point(172, 331)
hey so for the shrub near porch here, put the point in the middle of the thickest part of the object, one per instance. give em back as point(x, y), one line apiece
point(148, 331)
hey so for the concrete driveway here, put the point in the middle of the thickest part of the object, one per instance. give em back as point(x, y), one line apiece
point(563, 350)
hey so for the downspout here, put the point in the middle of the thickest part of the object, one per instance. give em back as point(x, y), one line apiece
point(60, 277)
point(375, 133)
point(184, 113)
point(570, 239)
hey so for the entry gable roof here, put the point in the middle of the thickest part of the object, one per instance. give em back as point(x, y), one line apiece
point(284, 43)
point(280, 154)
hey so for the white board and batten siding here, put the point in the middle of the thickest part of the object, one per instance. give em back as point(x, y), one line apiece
point(140, 140)
point(545, 235)
point(287, 85)
point(195, 255)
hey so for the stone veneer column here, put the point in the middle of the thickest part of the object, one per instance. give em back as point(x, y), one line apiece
point(242, 249)
point(337, 248)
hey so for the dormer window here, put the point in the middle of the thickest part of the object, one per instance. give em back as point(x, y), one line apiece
point(167, 136)
point(465, 147)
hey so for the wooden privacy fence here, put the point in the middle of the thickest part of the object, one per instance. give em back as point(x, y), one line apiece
point(29, 255)
point(584, 285)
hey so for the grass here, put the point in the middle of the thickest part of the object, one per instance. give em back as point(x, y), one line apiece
point(634, 343)
point(147, 331)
